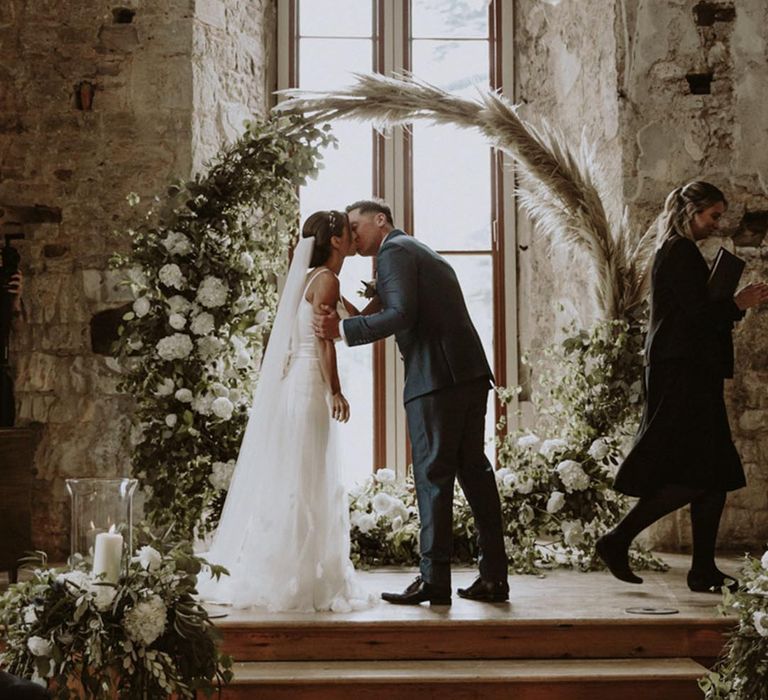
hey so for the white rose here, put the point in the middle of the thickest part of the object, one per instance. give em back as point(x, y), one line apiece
point(221, 474)
point(764, 561)
point(549, 448)
point(235, 395)
point(397, 523)
point(384, 504)
point(149, 558)
point(165, 388)
point(366, 522)
point(183, 395)
point(202, 404)
point(573, 532)
point(556, 501)
point(179, 304)
point(526, 514)
point(141, 307)
point(174, 347)
point(212, 292)
point(574, 478)
point(528, 442)
point(598, 450)
point(39, 646)
point(384, 476)
point(177, 243)
point(262, 317)
point(78, 579)
point(760, 620)
point(223, 408)
point(525, 487)
point(246, 262)
point(171, 420)
point(30, 615)
point(103, 596)
point(177, 321)
point(137, 277)
point(171, 276)
point(242, 359)
point(203, 324)
point(219, 389)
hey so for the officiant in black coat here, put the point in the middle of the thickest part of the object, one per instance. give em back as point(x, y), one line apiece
point(683, 452)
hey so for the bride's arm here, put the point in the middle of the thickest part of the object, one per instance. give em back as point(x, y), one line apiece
point(325, 291)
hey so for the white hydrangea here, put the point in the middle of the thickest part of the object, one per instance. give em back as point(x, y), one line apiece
point(549, 448)
point(177, 321)
point(599, 450)
point(573, 532)
point(384, 476)
point(177, 243)
point(171, 420)
point(39, 646)
point(365, 522)
point(528, 442)
point(574, 478)
point(149, 558)
point(103, 596)
point(208, 347)
point(145, 622)
point(243, 359)
point(246, 262)
point(384, 504)
point(221, 474)
point(171, 276)
point(524, 486)
point(202, 404)
point(179, 304)
point(183, 395)
point(78, 579)
point(222, 407)
point(174, 347)
point(212, 292)
point(262, 317)
point(203, 324)
point(245, 302)
point(218, 389)
point(165, 388)
point(141, 307)
point(555, 502)
point(760, 621)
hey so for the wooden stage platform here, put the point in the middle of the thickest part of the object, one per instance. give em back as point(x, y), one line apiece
point(564, 636)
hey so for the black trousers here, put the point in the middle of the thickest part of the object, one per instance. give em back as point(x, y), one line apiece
point(447, 429)
point(13, 688)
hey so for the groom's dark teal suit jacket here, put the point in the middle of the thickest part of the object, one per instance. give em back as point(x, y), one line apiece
point(424, 307)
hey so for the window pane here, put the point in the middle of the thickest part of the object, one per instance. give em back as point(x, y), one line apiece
point(451, 188)
point(340, 18)
point(328, 64)
point(456, 18)
point(475, 273)
point(454, 66)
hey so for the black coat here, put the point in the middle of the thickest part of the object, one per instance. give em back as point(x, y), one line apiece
point(424, 308)
point(684, 436)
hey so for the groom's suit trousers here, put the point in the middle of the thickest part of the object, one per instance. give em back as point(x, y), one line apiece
point(447, 429)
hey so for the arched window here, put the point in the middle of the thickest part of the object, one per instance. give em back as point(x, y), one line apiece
point(445, 185)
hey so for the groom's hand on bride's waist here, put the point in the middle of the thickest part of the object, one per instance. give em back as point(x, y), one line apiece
point(326, 323)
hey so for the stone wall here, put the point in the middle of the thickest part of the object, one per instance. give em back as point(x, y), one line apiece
point(98, 100)
point(668, 91)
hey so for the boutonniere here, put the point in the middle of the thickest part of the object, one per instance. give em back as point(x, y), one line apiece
point(369, 289)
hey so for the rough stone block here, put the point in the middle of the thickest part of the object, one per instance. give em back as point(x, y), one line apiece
point(752, 421)
point(120, 38)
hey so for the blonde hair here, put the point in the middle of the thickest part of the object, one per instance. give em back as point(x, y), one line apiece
point(682, 204)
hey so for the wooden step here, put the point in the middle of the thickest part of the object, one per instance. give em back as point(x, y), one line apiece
point(628, 679)
point(322, 640)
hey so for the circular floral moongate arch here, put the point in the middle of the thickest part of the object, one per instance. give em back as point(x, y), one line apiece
point(203, 267)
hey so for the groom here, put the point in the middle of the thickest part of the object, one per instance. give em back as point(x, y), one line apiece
point(447, 379)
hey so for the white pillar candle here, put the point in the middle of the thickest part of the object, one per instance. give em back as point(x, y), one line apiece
point(107, 556)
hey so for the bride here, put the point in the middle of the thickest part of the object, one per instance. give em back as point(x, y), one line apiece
point(284, 530)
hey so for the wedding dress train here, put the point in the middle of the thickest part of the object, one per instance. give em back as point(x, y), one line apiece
point(284, 530)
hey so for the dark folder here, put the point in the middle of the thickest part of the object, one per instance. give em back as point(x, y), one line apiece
point(725, 275)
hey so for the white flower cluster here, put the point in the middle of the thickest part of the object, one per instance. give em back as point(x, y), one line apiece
point(177, 243)
point(555, 502)
point(203, 324)
point(573, 532)
point(79, 582)
point(174, 347)
point(512, 481)
point(149, 558)
point(171, 276)
point(529, 442)
point(145, 622)
point(574, 478)
point(221, 474)
point(550, 448)
point(141, 307)
point(212, 292)
point(599, 450)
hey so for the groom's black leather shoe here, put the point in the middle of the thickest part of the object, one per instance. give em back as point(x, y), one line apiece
point(486, 591)
point(418, 592)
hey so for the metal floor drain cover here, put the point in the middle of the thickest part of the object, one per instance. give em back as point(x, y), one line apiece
point(652, 611)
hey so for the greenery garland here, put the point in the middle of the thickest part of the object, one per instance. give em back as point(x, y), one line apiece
point(742, 673)
point(203, 267)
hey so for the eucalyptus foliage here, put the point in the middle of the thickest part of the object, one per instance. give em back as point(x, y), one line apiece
point(742, 673)
point(203, 266)
point(145, 637)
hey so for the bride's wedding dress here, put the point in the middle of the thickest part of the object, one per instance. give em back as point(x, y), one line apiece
point(284, 530)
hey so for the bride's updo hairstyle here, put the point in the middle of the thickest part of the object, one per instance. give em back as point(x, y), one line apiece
point(323, 225)
point(683, 203)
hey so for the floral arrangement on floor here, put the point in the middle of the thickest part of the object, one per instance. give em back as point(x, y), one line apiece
point(742, 673)
point(202, 267)
point(144, 637)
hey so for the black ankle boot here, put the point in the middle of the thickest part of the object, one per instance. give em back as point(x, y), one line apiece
point(615, 556)
point(711, 581)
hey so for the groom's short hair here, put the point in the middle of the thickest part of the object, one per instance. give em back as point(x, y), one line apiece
point(378, 206)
